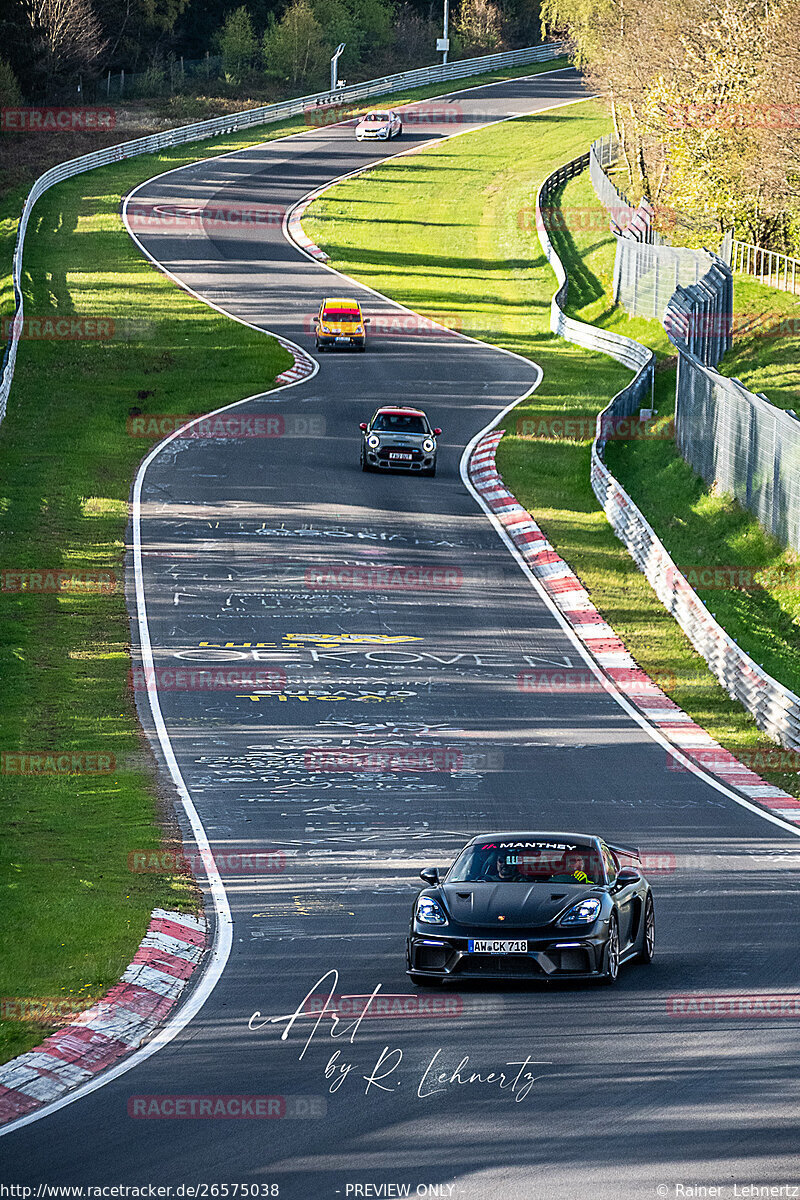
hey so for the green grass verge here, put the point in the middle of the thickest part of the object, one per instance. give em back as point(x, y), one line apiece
point(455, 239)
point(766, 349)
point(74, 913)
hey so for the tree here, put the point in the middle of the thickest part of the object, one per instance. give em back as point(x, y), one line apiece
point(294, 47)
point(66, 38)
point(10, 91)
point(238, 46)
point(479, 25)
point(705, 100)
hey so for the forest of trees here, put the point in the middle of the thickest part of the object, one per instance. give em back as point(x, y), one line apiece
point(705, 96)
point(50, 47)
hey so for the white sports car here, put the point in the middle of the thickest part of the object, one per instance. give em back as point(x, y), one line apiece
point(381, 125)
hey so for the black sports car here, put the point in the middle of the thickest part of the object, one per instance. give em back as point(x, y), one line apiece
point(532, 905)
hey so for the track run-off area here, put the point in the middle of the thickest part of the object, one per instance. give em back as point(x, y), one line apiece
point(249, 548)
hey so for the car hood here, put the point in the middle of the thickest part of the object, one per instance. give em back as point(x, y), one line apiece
point(341, 326)
point(521, 904)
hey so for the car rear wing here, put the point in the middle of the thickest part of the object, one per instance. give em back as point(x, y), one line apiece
point(630, 851)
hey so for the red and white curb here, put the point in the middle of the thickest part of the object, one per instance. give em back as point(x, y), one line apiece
point(298, 234)
point(116, 1025)
point(304, 364)
point(572, 600)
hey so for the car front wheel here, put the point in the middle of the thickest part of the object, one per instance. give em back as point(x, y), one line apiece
point(648, 950)
point(611, 973)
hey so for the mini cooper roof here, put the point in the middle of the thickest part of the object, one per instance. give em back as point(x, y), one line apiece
point(392, 410)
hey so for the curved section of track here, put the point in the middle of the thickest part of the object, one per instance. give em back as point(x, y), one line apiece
point(379, 620)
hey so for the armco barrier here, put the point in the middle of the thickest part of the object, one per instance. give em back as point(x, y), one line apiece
point(624, 350)
point(774, 708)
point(231, 123)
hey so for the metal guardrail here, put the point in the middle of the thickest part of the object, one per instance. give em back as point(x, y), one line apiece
point(232, 123)
point(626, 351)
point(780, 271)
point(774, 707)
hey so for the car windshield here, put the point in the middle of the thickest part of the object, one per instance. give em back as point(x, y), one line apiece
point(341, 314)
point(377, 117)
point(528, 862)
point(400, 423)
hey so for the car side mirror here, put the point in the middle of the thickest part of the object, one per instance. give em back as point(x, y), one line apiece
point(436, 432)
point(315, 321)
point(367, 320)
point(363, 426)
point(628, 875)
point(430, 875)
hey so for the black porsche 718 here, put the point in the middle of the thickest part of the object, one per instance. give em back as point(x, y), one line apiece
point(532, 905)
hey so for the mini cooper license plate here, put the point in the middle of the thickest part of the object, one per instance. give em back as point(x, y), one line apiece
point(487, 946)
point(397, 454)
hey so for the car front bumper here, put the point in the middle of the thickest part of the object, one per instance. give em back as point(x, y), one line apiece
point(424, 463)
point(548, 957)
point(341, 341)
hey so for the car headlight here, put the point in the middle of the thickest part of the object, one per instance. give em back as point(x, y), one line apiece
point(428, 445)
point(582, 914)
point(324, 329)
point(430, 912)
point(359, 329)
point(373, 441)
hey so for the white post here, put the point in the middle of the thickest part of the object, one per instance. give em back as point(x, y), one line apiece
point(335, 65)
point(446, 30)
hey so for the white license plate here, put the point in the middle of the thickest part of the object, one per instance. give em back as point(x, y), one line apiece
point(396, 454)
point(343, 340)
point(485, 946)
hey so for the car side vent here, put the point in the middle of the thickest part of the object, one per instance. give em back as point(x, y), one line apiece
point(464, 895)
point(558, 896)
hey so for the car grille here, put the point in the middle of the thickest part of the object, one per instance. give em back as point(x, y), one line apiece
point(385, 451)
point(496, 964)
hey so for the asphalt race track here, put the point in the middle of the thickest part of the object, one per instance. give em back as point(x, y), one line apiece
point(249, 545)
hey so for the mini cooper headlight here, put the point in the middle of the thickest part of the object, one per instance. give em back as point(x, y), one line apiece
point(428, 445)
point(373, 441)
point(430, 912)
point(583, 913)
